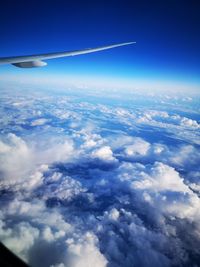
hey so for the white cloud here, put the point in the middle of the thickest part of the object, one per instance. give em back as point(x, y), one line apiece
point(104, 153)
point(57, 151)
point(33, 228)
point(15, 158)
point(189, 123)
point(185, 156)
point(160, 178)
point(113, 214)
point(127, 242)
point(162, 187)
point(139, 147)
point(84, 252)
point(19, 159)
point(39, 122)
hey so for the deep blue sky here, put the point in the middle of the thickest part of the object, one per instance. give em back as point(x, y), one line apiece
point(167, 35)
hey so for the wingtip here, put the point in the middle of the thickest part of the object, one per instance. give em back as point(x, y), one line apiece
point(129, 43)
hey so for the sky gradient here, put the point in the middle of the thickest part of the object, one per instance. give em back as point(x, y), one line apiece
point(167, 36)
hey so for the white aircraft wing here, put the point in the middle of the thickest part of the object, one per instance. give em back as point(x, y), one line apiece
point(36, 60)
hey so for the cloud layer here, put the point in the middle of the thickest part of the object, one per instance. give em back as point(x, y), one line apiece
point(84, 183)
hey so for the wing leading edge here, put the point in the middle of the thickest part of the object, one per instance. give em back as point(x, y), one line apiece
point(37, 60)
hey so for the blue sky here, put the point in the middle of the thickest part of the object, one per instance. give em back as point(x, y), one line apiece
point(167, 36)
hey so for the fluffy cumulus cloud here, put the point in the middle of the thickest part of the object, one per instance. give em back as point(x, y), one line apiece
point(139, 147)
point(84, 252)
point(15, 157)
point(18, 159)
point(162, 187)
point(104, 153)
point(88, 184)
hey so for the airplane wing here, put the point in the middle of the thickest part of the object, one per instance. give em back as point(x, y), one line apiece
point(36, 60)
